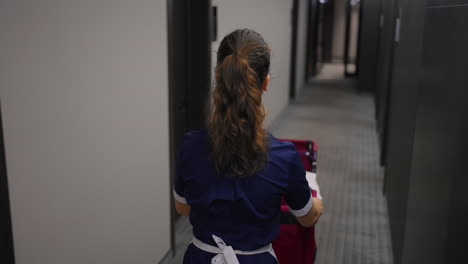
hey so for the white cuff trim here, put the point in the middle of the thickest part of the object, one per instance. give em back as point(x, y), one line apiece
point(303, 211)
point(179, 198)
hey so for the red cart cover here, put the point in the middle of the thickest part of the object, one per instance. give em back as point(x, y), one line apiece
point(296, 244)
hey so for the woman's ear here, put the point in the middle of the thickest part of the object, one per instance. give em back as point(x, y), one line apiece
point(265, 83)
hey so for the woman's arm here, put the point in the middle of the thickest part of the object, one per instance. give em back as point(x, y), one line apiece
point(181, 208)
point(313, 215)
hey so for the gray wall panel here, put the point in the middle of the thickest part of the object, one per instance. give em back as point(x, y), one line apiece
point(439, 145)
point(425, 170)
point(402, 114)
point(368, 45)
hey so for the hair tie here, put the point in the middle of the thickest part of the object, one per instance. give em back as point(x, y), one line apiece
point(237, 54)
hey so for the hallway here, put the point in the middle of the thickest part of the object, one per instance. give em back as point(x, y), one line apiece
point(95, 97)
point(354, 227)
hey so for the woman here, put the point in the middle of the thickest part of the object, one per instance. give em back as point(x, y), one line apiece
point(232, 175)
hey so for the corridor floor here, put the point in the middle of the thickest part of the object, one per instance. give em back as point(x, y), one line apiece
point(354, 227)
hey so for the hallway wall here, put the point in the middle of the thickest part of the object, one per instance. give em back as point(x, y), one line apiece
point(426, 156)
point(83, 87)
point(402, 119)
point(272, 19)
point(441, 117)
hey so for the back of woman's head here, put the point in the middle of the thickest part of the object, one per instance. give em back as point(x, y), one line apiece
point(235, 124)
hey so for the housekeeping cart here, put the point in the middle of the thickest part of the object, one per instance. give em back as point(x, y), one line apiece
point(296, 244)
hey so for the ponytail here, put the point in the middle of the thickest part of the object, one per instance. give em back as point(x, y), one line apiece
point(235, 123)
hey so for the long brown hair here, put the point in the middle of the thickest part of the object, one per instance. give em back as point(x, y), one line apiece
point(235, 123)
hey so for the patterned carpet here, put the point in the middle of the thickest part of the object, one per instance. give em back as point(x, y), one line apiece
point(354, 227)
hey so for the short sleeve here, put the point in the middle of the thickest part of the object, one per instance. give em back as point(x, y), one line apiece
point(298, 194)
point(181, 170)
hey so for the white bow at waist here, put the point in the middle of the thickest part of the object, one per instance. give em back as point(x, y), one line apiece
point(226, 254)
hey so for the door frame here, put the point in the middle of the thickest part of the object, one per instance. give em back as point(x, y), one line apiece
point(292, 70)
point(7, 255)
point(397, 14)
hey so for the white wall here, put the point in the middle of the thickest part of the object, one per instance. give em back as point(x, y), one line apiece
point(272, 19)
point(83, 87)
point(301, 45)
point(339, 30)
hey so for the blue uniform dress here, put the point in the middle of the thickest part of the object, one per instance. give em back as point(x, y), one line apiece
point(244, 212)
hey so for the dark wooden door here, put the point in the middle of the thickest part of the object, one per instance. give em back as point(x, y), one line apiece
point(190, 32)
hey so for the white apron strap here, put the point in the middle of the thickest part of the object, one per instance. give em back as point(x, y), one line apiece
point(226, 254)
